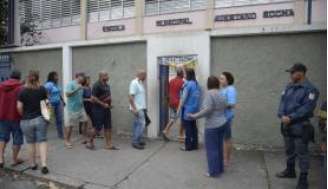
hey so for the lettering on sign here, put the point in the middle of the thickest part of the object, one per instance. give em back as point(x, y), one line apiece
point(113, 28)
point(278, 13)
point(173, 22)
point(235, 17)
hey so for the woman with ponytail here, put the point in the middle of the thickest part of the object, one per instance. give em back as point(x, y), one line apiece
point(33, 124)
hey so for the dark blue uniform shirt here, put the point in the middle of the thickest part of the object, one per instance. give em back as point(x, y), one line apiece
point(298, 101)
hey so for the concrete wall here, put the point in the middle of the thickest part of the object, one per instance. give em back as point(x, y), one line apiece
point(45, 61)
point(258, 64)
point(174, 44)
point(121, 62)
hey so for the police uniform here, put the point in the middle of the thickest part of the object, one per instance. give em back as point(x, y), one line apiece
point(298, 102)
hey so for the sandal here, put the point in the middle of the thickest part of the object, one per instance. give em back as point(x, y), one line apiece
point(69, 146)
point(34, 167)
point(18, 162)
point(90, 146)
point(165, 137)
point(112, 148)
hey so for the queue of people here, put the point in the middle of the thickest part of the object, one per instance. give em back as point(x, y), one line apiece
point(89, 108)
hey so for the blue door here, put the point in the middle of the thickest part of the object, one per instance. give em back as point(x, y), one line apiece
point(164, 95)
point(5, 66)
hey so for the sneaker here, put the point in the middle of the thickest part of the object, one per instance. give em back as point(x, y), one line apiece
point(138, 146)
point(286, 174)
point(44, 170)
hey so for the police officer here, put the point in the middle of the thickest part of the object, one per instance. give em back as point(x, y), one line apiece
point(297, 104)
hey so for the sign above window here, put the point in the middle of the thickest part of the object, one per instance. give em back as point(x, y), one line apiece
point(173, 22)
point(113, 28)
point(235, 17)
point(278, 13)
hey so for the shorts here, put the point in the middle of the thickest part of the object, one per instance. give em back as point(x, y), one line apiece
point(227, 133)
point(75, 118)
point(102, 118)
point(35, 130)
point(173, 114)
point(13, 128)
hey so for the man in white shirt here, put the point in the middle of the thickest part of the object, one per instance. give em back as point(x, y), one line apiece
point(137, 99)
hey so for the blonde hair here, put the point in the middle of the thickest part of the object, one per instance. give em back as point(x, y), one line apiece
point(33, 80)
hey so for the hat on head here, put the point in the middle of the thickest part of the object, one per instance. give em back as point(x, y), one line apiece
point(297, 67)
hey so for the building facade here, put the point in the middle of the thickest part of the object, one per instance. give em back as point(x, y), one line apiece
point(256, 40)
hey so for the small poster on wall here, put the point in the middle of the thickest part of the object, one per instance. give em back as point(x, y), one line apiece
point(174, 61)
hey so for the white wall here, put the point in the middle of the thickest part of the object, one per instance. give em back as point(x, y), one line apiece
point(173, 44)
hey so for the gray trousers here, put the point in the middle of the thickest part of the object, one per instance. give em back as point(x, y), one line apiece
point(297, 148)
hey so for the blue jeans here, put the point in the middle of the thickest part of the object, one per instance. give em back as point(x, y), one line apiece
point(191, 140)
point(58, 111)
point(214, 150)
point(13, 128)
point(138, 127)
point(35, 130)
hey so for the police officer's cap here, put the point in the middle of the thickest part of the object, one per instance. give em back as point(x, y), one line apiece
point(297, 67)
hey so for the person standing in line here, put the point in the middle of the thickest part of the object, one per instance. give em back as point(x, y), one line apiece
point(215, 124)
point(175, 87)
point(56, 100)
point(230, 93)
point(33, 124)
point(137, 100)
point(102, 116)
point(10, 118)
point(87, 102)
point(75, 109)
point(189, 104)
point(297, 104)
point(323, 142)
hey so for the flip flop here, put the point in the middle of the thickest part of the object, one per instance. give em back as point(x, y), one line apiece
point(68, 146)
point(112, 148)
point(18, 162)
point(90, 146)
point(84, 142)
point(165, 137)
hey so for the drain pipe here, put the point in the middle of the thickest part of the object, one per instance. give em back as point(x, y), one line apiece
point(309, 15)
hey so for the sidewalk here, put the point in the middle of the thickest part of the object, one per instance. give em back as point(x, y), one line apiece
point(161, 165)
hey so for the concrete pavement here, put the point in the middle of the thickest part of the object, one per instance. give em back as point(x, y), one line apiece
point(161, 165)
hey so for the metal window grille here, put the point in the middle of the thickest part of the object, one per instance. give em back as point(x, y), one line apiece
point(44, 14)
point(232, 3)
point(155, 7)
point(100, 10)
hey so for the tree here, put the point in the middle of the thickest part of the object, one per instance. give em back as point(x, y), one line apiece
point(3, 20)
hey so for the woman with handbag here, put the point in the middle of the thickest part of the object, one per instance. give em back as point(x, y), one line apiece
point(34, 124)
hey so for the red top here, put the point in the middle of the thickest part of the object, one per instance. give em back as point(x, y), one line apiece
point(175, 87)
point(9, 91)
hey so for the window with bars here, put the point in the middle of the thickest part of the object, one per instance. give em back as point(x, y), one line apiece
point(44, 14)
point(232, 3)
point(101, 10)
point(155, 7)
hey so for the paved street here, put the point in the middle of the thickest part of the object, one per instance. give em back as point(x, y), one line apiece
point(161, 166)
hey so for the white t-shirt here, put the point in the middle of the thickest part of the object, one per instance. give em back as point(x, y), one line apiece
point(137, 89)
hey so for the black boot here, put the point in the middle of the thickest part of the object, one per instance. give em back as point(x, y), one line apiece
point(302, 182)
point(289, 172)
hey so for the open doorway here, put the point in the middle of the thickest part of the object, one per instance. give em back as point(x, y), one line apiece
point(167, 70)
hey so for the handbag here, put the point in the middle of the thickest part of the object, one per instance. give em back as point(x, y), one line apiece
point(147, 119)
point(45, 110)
